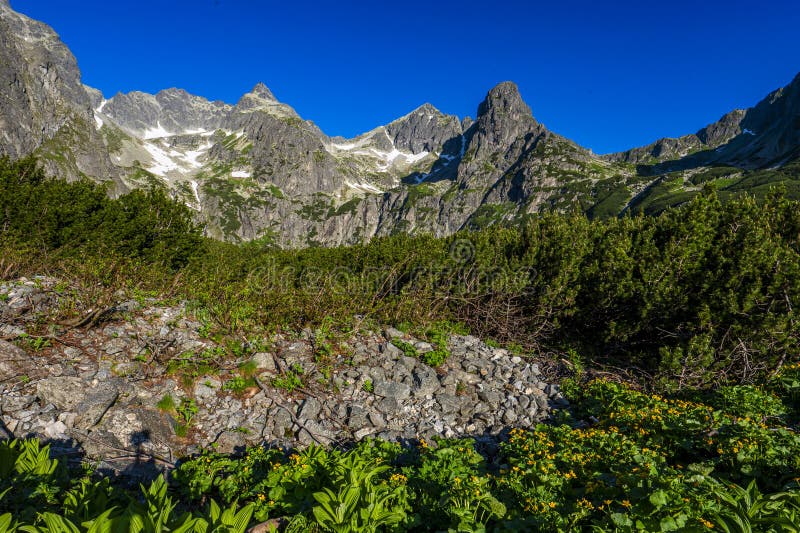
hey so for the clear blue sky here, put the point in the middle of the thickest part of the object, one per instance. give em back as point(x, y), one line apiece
point(609, 75)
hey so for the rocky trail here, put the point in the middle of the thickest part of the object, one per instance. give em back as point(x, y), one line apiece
point(138, 385)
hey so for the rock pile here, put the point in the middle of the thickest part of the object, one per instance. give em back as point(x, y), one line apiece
point(145, 382)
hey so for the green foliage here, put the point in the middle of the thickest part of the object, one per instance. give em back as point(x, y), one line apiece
point(648, 463)
point(407, 348)
point(359, 503)
point(238, 384)
point(73, 218)
point(45, 498)
point(187, 409)
point(166, 403)
point(702, 295)
point(289, 381)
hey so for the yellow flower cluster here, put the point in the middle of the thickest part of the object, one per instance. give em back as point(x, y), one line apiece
point(398, 479)
point(706, 523)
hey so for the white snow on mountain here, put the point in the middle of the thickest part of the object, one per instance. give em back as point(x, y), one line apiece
point(157, 132)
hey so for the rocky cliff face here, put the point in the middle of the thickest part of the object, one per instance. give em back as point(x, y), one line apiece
point(170, 112)
point(257, 170)
point(44, 107)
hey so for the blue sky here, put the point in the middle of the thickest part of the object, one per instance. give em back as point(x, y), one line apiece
point(609, 75)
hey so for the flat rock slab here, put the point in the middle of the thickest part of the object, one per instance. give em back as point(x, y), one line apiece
point(72, 394)
point(392, 389)
point(15, 363)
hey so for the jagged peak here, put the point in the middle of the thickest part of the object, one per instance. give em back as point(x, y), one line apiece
point(133, 94)
point(427, 108)
point(424, 109)
point(259, 97)
point(174, 91)
point(504, 97)
point(262, 91)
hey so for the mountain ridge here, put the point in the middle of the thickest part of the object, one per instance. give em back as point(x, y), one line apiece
point(258, 170)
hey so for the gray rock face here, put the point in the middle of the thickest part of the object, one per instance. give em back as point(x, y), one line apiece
point(44, 106)
point(503, 118)
point(14, 362)
point(426, 129)
point(666, 149)
point(170, 111)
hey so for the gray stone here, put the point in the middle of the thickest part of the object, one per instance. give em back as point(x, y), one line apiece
point(448, 402)
point(393, 333)
point(389, 405)
point(408, 363)
point(490, 396)
point(426, 381)
point(524, 402)
point(310, 409)
point(363, 433)
point(377, 420)
point(230, 442)
point(14, 362)
point(391, 389)
point(509, 416)
point(206, 388)
point(95, 405)
point(357, 417)
point(66, 393)
point(264, 362)
point(56, 430)
point(423, 347)
point(312, 432)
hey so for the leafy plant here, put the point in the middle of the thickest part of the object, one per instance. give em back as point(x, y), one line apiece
point(289, 381)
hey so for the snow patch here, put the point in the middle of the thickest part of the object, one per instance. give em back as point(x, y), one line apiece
point(386, 159)
point(192, 157)
point(413, 158)
point(747, 131)
point(97, 120)
point(240, 174)
point(344, 147)
point(193, 183)
point(157, 132)
point(364, 187)
point(162, 162)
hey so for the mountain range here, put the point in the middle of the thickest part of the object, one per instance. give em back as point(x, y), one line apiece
point(256, 170)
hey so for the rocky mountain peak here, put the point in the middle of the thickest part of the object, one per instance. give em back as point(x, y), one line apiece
point(262, 91)
point(262, 99)
point(425, 129)
point(503, 118)
point(504, 99)
point(170, 111)
point(723, 130)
